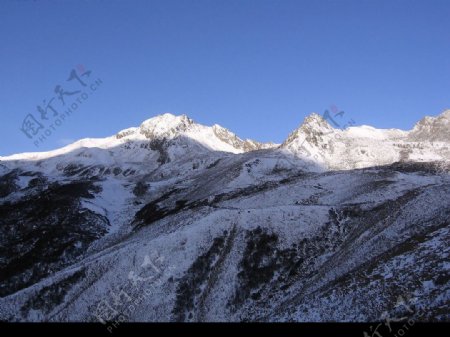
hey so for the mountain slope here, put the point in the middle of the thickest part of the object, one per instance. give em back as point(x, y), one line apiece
point(192, 223)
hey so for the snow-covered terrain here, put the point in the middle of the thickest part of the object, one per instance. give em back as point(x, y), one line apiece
point(176, 221)
point(365, 146)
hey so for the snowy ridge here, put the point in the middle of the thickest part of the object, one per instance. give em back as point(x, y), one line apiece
point(365, 146)
point(315, 140)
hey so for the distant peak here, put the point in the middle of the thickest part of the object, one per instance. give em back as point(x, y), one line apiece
point(165, 125)
point(168, 119)
point(314, 124)
point(316, 121)
point(432, 128)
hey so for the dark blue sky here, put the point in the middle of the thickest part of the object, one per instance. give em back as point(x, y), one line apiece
point(257, 67)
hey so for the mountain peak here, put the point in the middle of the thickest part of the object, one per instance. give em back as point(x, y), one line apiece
point(432, 128)
point(314, 124)
point(315, 121)
point(165, 125)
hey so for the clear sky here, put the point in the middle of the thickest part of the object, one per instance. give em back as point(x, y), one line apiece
point(257, 67)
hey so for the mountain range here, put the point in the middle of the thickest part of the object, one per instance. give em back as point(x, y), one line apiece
point(177, 221)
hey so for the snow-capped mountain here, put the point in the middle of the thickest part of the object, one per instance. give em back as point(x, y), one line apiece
point(365, 146)
point(192, 223)
point(156, 141)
